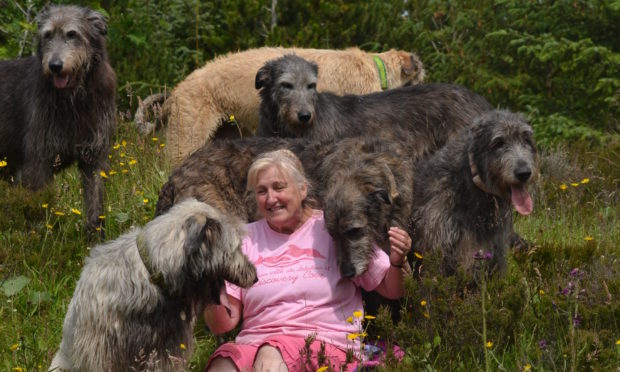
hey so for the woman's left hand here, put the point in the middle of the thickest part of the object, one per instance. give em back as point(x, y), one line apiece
point(400, 245)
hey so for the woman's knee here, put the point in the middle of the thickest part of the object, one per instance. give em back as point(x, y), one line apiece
point(269, 358)
point(222, 364)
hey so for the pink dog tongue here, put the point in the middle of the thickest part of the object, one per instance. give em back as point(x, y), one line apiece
point(522, 200)
point(61, 81)
point(224, 299)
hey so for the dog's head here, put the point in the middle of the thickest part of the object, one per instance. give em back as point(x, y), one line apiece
point(358, 206)
point(288, 88)
point(71, 40)
point(503, 153)
point(195, 247)
point(411, 67)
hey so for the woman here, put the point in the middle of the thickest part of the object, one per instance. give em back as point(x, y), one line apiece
point(300, 293)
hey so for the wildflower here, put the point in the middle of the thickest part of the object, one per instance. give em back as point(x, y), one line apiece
point(577, 319)
point(102, 217)
point(489, 344)
point(574, 184)
point(145, 200)
point(541, 292)
point(103, 175)
point(48, 226)
point(182, 346)
point(568, 289)
point(357, 314)
point(588, 238)
point(154, 139)
point(585, 180)
point(59, 213)
point(122, 154)
point(122, 164)
point(542, 344)
point(483, 255)
point(162, 145)
point(76, 211)
point(353, 336)
point(44, 205)
point(109, 156)
point(98, 229)
point(417, 255)
point(527, 367)
point(423, 303)
point(231, 118)
point(3, 163)
point(426, 315)
point(19, 369)
point(14, 347)
point(370, 317)
point(124, 143)
point(563, 187)
point(116, 146)
point(618, 342)
point(113, 172)
point(124, 171)
point(132, 161)
point(322, 369)
point(350, 320)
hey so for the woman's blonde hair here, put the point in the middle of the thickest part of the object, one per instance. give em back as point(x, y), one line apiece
point(287, 163)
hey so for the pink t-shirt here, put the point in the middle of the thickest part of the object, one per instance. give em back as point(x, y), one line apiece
point(300, 290)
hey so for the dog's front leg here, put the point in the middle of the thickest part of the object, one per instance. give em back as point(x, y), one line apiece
point(92, 182)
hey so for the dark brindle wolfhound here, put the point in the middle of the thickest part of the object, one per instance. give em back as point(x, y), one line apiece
point(57, 107)
point(425, 115)
point(464, 192)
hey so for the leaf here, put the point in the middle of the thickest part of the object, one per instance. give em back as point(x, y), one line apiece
point(12, 286)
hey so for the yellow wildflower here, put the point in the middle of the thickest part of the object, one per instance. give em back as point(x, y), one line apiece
point(75, 211)
point(541, 292)
point(124, 143)
point(113, 172)
point(116, 146)
point(145, 200)
point(19, 369)
point(563, 186)
point(574, 184)
point(122, 164)
point(102, 174)
point(49, 227)
point(322, 369)
point(423, 302)
point(370, 317)
point(162, 145)
point(588, 238)
point(352, 336)
point(350, 320)
point(489, 344)
point(585, 180)
point(618, 342)
point(132, 161)
point(183, 347)
point(427, 315)
point(527, 367)
point(98, 229)
point(44, 205)
point(3, 163)
point(417, 255)
point(102, 217)
point(59, 213)
point(154, 139)
point(231, 118)
point(122, 155)
point(124, 171)
point(14, 347)
point(357, 314)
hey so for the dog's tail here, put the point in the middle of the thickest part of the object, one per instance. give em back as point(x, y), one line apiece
point(165, 199)
point(150, 107)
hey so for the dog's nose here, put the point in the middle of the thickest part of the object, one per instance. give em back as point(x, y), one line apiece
point(523, 173)
point(347, 270)
point(55, 65)
point(304, 116)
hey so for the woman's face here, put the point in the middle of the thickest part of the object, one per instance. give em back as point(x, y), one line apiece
point(279, 200)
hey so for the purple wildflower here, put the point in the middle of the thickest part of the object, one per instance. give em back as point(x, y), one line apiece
point(542, 344)
point(575, 272)
point(577, 319)
point(486, 256)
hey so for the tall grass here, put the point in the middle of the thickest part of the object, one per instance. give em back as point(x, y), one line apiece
point(540, 315)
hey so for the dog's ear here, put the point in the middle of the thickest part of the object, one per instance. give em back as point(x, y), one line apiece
point(42, 16)
point(198, 231)
point(98, 21)
point(262, 76)
point(391, 181)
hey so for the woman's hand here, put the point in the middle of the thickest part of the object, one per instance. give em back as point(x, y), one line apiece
point(400, 245)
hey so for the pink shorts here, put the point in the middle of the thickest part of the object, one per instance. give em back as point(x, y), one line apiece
point(291, 348)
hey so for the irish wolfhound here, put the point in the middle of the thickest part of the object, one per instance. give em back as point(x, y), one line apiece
point(57, 107)
point(463, 193)
point(136, 301)
point(199, 105)
point(426, 114)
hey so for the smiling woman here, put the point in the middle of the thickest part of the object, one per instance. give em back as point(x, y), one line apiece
point(300, 294)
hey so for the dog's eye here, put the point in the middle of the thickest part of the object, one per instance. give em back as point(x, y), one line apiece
point(355, 233)
point(72, 34)
point(312, 86)
point(47, 35)
point(287, 85)
point(497, 143)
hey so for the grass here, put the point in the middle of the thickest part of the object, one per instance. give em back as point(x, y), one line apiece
point(541, 315)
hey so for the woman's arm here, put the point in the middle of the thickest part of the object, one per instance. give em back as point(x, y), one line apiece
point(218, 319)
point(393, 284)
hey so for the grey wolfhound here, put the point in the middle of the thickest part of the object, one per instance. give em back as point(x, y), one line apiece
point(57, 107)
point(136, 301)
point(463, 193)
point(426, 115)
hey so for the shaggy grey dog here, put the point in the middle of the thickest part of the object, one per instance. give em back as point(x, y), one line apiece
point(136, 301)
point(464, 193)
point(57, 107)
point(424, 115)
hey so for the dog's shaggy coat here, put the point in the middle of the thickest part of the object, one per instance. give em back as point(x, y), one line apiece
point(424, 115)
point(464, 192)
point(199, 105)
point(137, 297)
point(57, 107)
